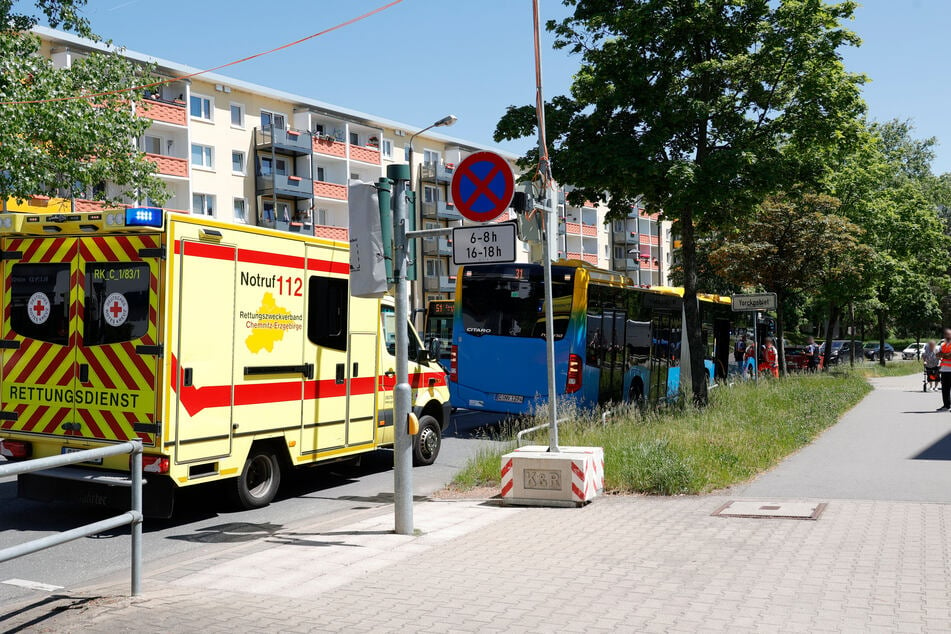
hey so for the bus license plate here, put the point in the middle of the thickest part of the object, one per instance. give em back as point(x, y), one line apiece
point(75, 449)
point(509, 398)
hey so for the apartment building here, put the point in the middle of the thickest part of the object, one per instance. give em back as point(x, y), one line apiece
point(246, 153)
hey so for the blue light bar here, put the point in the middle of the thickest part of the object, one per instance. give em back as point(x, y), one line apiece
point(143, 217)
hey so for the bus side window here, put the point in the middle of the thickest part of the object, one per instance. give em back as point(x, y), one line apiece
point(327, 312)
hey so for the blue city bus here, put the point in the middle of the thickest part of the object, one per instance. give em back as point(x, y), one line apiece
point(614, 341)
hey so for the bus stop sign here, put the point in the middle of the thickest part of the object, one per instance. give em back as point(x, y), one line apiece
point(482, 186)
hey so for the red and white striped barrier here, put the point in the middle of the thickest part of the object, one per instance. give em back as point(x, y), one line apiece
point(572, 477)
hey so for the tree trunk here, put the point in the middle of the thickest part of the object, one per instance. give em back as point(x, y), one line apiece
point(830, 328)
point(698, 373)
point(881, 337)
point(780, 330)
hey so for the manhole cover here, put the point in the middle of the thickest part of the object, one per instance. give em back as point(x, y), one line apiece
point(774, 510)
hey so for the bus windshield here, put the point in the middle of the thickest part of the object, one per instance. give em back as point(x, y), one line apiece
point(508, 300)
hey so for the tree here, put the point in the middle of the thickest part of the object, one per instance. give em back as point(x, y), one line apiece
point(69, 147)
point(794, 244)
point(701, 106)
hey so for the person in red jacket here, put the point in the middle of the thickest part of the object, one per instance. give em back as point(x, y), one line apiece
point(944, 356)
point(770, 358)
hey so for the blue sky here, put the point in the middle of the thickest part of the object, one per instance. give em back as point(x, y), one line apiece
point(423, 59)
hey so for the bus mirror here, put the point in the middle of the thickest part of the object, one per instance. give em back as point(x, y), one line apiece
point(435, 348)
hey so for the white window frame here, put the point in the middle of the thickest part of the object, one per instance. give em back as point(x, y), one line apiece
point(273, 114)
point(161, 143)
point(211, 107)
point(427, 198)
point(386, 148)
point(210, 155)
point(244, 163)
point(243, 219)
point(353, 134)
point(206, 199)
point(431, 153)
point(241, 109)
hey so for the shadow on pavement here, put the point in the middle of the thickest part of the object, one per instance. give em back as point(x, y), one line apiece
point(940, 450)
point(231, 533)
point(49, 607)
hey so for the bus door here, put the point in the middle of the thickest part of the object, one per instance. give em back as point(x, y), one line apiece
point(662, 354)
point(613, 355)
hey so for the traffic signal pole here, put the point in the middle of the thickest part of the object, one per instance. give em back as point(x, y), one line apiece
point(402, 394)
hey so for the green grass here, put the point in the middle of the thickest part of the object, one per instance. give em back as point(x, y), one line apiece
point(745, 430)
point(891, 368)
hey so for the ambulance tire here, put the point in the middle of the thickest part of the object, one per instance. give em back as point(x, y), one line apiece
point(259, 480)
point(427, 442)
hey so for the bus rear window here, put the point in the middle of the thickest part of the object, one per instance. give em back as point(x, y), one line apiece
point(39, 302)
point(116, 307)
point(510, 301)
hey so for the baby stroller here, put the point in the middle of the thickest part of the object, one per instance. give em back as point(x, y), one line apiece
point(931, 376)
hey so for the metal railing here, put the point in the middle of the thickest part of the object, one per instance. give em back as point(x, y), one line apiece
point(132, 517)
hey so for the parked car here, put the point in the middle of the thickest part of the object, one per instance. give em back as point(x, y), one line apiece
point(797, 359)
point(913, 351)
point(873, 352)
point(840, 351)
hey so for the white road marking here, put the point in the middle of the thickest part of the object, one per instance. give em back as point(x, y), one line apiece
point(32, 585)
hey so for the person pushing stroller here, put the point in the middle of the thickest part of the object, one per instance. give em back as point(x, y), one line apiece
point(929, 357)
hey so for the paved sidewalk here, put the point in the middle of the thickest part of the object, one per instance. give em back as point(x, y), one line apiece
point(620, 564)
point(891, 446)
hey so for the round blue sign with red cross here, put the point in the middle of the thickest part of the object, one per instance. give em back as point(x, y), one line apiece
point(482, 186)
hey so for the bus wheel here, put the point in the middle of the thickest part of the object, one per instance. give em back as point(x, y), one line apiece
point(259, 480)
point(427, 442)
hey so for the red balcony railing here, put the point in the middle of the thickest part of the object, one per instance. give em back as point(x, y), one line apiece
point(573, 228)
point(589, 230)
point(164, 111)
point(341, 234)
point(591, 258)
point(330, 147)
point(330, 190)
point(365, 154)
point(169, 165)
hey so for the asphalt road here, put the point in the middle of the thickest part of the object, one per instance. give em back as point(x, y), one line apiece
point(204, 520)
point(891, 446)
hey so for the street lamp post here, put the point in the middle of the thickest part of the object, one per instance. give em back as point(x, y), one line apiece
point(402, 393)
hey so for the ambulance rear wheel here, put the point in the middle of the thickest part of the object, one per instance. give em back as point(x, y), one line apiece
point(427, 442)
point(259, 480)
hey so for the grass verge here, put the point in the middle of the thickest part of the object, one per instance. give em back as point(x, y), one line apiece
point(891, 368)
point(745, 430)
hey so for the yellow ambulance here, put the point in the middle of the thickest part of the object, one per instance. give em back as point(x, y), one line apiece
point(232, 352)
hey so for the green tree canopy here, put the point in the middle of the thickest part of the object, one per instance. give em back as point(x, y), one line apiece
point(72, 146)
point(701, 106)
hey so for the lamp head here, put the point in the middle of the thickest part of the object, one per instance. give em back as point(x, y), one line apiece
point(448, 120)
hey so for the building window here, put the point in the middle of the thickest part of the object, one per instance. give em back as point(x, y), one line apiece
point(240, 210)
point(354, 138)
point(237, 116)
point(203, 156)
point(431, 157)
point(203, 204)
point(201, 107)
point(269, 119)
point(152, 144)
point(320, 175)
point(406, 152)
point(619, 225)
point(318, 128)
point(434, 268)
point(327, 312)
point(237, 162)
point(619, 253)
point(322, 216)
point(267, 167)
point(387, 148)
point(430, 194)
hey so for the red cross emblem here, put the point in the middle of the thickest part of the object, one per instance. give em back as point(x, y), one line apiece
point(39, 307)
point(115, 309)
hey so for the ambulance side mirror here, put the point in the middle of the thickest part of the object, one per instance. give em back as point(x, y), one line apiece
point(435, 348)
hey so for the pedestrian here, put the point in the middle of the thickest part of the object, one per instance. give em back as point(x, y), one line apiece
point(812, 354)
point(771, 358)
point(749, 360)
point(944, 356)
point(929, 356)
point(739, 352)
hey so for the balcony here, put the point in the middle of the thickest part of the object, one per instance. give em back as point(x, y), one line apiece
point(589, 230)
point(626, 264)
point(293, 187)
point(161, 111)
point(169, 165)
point(329, 146)
point(324, 189)
point(626, 237)
point(590, 258)
point(437, 172)
point(294, 142)
point(365, 154)
point(440, 284)
point(573, 228)
point(574, 255)
point(437, 246)
point(440, 210)
point(340, 234)
point(561, 228)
